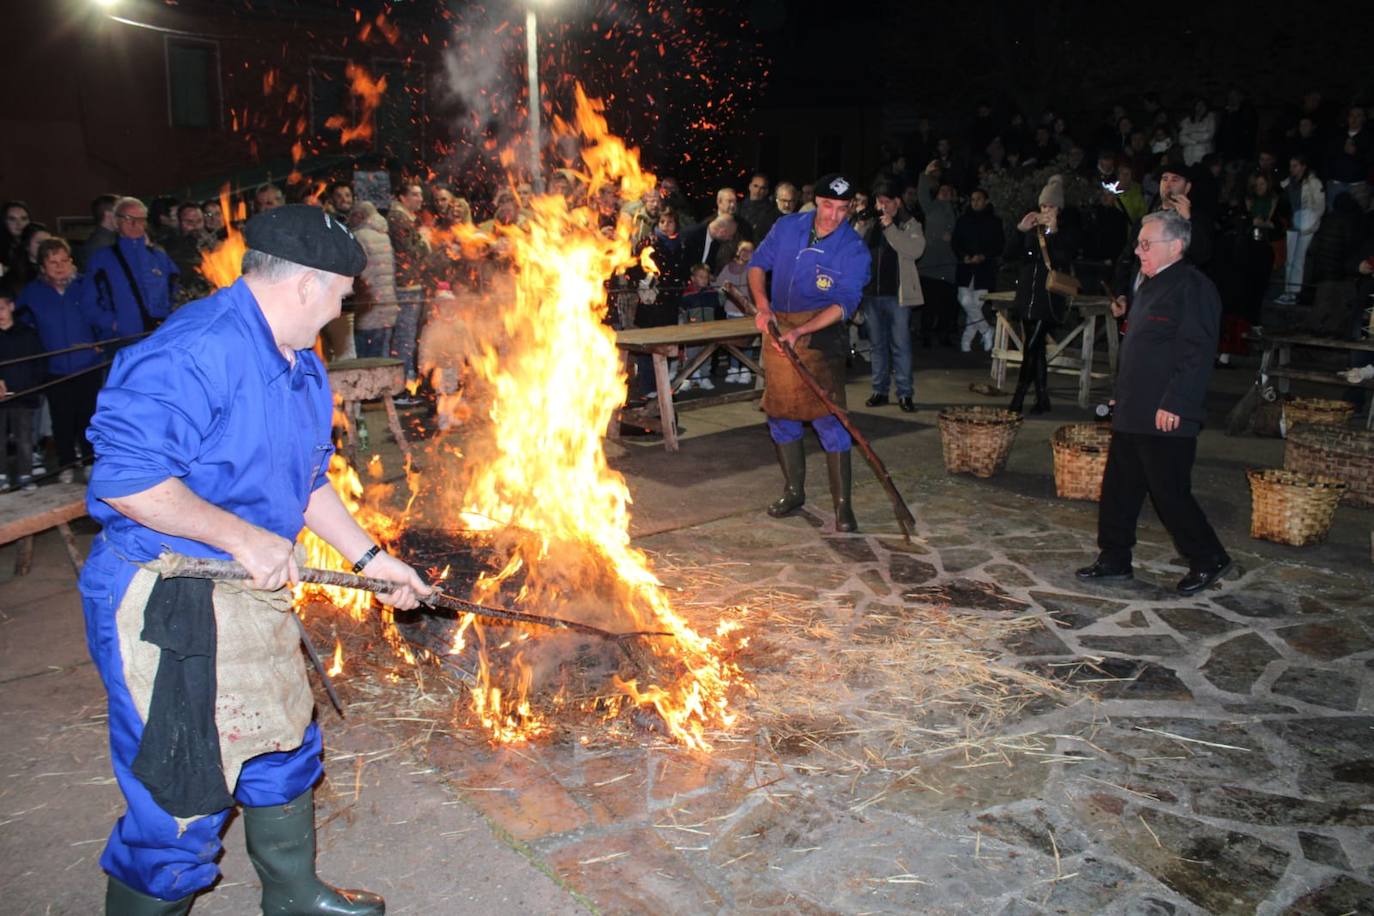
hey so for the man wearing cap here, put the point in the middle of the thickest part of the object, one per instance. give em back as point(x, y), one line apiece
point(1174, 187)
point(820, 267)
point(212, 439)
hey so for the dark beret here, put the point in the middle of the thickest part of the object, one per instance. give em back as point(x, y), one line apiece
point(835, 186)
point(308, 236)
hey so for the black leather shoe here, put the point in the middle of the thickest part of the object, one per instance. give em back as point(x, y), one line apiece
point(1105, 572)
point(907, 405)
point(876, 400)
point(1200, 577)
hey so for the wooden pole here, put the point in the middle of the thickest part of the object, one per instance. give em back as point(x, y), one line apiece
point(171, 565)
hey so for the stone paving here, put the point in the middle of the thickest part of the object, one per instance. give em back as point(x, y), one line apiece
point(1127, 752)
point(1210, 754)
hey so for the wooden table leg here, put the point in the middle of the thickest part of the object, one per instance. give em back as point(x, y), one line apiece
point(666, 414)
point(999, 347)
point(69, 541)
point(393, 422)
point(1085, 351)
point(23, 560)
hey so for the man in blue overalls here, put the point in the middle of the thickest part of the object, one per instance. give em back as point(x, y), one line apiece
point(820, 267)
point(212, 439)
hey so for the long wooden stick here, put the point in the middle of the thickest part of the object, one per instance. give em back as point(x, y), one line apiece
point(171, 565)
point(905, 520)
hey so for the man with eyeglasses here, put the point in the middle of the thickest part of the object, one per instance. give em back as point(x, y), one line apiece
point(133, 281)
point(1163, 369)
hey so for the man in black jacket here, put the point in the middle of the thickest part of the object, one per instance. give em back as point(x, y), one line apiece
point(1175, 188)
point(1161, 386)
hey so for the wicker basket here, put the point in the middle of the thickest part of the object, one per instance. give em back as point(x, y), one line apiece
point(1316, 411)
point(1080, 458)
point(1291, 508)
point(1332, 451)
point(977, 439)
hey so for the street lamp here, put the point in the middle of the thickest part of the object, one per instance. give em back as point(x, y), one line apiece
point(532, 69)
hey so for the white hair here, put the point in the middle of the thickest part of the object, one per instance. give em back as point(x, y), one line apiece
point(273, 269)
point(1172, 226)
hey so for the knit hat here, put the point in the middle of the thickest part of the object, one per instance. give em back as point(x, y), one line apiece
point(1053, 192)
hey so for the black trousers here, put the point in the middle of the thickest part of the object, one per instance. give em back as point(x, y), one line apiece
point(1161, 466)
point(72, 403)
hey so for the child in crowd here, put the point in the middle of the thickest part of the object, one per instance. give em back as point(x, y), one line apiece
point(16, 413)
point(700, 302)
point(736, 273)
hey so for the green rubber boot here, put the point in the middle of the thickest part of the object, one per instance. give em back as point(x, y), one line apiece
point(123, 900)
point(792, 457)
point(281, 845)
point(841, 481)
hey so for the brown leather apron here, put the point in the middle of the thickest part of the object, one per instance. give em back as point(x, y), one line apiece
point(786, 396)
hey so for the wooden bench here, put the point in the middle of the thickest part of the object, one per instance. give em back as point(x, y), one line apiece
point(1095, 318)
point(27, 514)
point(355, 380)
point(734, 335)
point(1276, 362)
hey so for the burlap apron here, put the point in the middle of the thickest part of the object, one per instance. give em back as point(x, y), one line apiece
point(786, 396)
point(263, 701)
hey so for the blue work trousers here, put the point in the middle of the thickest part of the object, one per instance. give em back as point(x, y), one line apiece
point(146, 849)
point(834, 437)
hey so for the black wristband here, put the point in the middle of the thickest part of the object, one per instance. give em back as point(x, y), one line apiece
point(366, 558)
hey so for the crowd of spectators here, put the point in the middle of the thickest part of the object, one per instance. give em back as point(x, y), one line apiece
point(1280, 207)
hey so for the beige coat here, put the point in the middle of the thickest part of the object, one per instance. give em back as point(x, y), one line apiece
point(909, 241)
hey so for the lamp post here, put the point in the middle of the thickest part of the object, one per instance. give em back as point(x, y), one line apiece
point(532, 68)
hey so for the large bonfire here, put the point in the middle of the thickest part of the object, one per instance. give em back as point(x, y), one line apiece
point(543, 381)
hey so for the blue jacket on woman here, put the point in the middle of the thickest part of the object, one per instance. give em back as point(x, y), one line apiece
point(64, 319)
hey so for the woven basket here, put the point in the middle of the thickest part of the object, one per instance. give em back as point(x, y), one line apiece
point(1080, 459)
point(1316, 411)
point(1339, 452)
point(1291, 508)
point(977, 439)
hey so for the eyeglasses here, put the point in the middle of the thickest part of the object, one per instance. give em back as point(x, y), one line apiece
point(1144, 244)
point(58, 259)
point(132, 219)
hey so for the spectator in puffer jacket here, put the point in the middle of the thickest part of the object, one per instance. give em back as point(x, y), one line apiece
point(374, 294)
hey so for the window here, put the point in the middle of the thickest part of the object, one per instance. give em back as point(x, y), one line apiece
point(193, 89)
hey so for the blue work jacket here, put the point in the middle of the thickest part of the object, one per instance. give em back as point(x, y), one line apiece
point(109, 289)
point(209, 399)
point(806, 275)
point(65, 319)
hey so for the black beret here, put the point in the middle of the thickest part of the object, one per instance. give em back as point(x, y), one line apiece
point(308, 236)
point(835, 186)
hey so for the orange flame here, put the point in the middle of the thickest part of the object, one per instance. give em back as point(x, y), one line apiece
point(222, 264)
point(545, 487)
point(369, 93)
point(336, 666)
